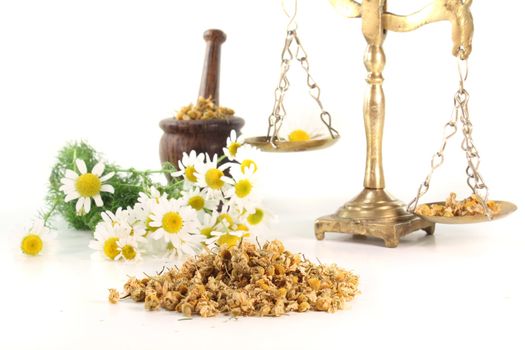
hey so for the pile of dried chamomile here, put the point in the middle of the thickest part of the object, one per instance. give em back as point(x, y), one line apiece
point(204, 109)
point(245, 280)
point(453, 208)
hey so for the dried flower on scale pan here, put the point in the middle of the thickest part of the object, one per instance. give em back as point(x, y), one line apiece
point(454, 208)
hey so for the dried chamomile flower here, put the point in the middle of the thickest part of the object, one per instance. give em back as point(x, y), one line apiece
point(246, 280)
point(114, 296)
point(472, 205)
point(204, 109)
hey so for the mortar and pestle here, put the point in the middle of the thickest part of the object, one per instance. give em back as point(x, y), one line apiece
point(203, 136)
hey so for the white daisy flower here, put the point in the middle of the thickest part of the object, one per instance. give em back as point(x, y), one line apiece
point(243, 194)
point(232, 145)
point(85, 186)
point(230, 238)
point(188, 166)
point(154, 197)
point(209, 224)
point(121, 216)
point(107, 239)
point(128, 249)
point(211, 177)
point(37, 239)
point(301, 132)
point(259, 220)
point(198, 200)
point(246, 156)
point(176, 223)
point(145, 206)
point(137, 221)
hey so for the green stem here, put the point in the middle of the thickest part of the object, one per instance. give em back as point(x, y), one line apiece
point(50, 212)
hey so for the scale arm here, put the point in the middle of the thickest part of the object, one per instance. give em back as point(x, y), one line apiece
point(347, 8)
point(455, 11)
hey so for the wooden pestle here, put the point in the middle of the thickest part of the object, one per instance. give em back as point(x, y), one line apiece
point(212, 65)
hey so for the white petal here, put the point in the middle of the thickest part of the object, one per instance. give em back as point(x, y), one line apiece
point(80, 204)
point(107, 188)
point(98, 169)
point(98, 201)
point(72, 195)
point(66, 181)
point(87, 205)
point(81, 165)
point(107, 176)
point(70, 174)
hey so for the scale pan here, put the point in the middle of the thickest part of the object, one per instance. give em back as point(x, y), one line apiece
point(506, 209)
point(282, 145)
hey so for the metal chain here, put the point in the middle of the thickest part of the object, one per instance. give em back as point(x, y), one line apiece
point(276, 118)
point(461, 114)
point(278, 114)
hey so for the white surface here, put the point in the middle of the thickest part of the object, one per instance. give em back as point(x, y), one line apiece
point(108, 70)
point(462, 289)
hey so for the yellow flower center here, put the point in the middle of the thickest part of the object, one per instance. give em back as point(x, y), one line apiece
point(243, 188)
point(196, 202)
point(247, 163)
point(233, 147)
point(32, 244)
point(190, 173)
point(229, 240)
point(256, 218)
point(242, 227)
point(128, 252)
point(225, 217)
point(206, 231)
point(88, 185)
point(298, 135)
point(213, 179)
point(172, 222)
point(111, 248)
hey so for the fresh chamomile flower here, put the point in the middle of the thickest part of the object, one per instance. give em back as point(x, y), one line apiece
point(243, 193)
point(246, 157)
point(209, 224)
point(188, 167)
point(198, 200)
point(226, 217)
point(85, 186)
point(175, 223)
point(303, 132)
point(210, 176)
point(145, 206)
point(128, 249)
point(229, 238)
point(232, 145)
point(258, 220)
point(107, 239)
point(119, 217)
point(37, 239)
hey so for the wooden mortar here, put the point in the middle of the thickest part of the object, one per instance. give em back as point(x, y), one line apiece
point(203, 136)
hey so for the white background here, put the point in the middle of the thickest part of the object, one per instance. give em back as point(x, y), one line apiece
point(108, 71)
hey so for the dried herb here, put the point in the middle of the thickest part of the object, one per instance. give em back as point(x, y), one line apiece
point(454, 208)
point(204, 109)
point(245, 280)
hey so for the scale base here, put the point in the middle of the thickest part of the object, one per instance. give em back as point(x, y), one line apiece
point(373, 213)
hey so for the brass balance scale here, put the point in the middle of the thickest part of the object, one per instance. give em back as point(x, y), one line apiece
point(374, 212)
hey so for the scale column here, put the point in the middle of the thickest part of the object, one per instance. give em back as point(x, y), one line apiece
point(374, 117)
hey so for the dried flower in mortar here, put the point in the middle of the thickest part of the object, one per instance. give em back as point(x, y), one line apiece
point(204, 109)
point(244, 280)
point(454, 208)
